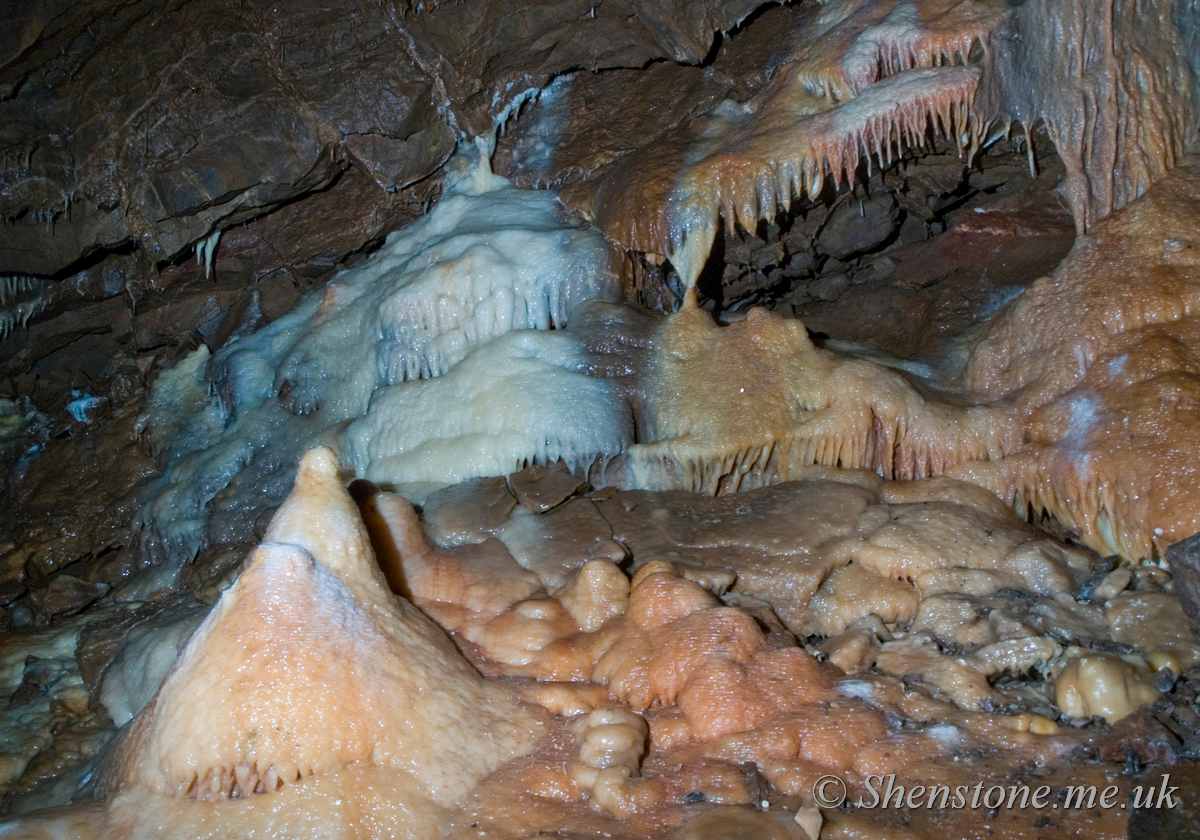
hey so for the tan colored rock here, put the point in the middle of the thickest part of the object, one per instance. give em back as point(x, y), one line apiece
point(1099, 684)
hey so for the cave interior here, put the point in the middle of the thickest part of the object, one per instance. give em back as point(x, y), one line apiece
point(570, 418)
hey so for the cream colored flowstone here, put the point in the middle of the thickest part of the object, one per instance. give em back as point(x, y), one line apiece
point(312, 702)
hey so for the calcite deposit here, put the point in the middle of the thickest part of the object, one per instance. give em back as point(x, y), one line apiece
point(311, 696)
point(489, 259)
point(859, 85)
point(314, 700)
point(1101, 355)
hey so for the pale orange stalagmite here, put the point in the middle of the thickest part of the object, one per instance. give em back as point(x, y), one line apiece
point(312, 701)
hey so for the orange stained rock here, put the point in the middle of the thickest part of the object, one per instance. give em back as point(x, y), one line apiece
point(1133, 281)
point(723, 695)
point(677, 644)
point(480, 593)
point(463, 589)
point(852, 591)
point(644, 666)
point(658, 639)
point(1103, 355)
point(823, 738)
point(598, 592)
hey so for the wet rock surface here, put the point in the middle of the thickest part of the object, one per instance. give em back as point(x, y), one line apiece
point(65, 595)
point(187, 118)
point(71, 499)
point(160, 125)
point(539, 488)
point(1184, 558)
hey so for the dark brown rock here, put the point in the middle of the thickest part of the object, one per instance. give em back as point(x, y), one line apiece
point(186, 310)
point(541, 488)
point(858, 226)
point(1140, 733)
point(214, 568)
point(65, 595)
point(1181, 822)
point(830, 286)
point(111, 318)
point(590, 120)
point(159, 124)
point(78, 733)
point(1184, 559)
point(75, 499)
point(99, 642)
point(488, 52)
point(10, 591)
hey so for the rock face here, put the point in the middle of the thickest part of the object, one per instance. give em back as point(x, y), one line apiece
point(1184, 559)
point(154, 126)
point(157, 125)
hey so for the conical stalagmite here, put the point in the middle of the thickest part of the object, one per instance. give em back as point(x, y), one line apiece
point(312, 702)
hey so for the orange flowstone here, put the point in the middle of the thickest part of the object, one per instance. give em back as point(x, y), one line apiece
point(1081, 399)
point(1104, 355)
